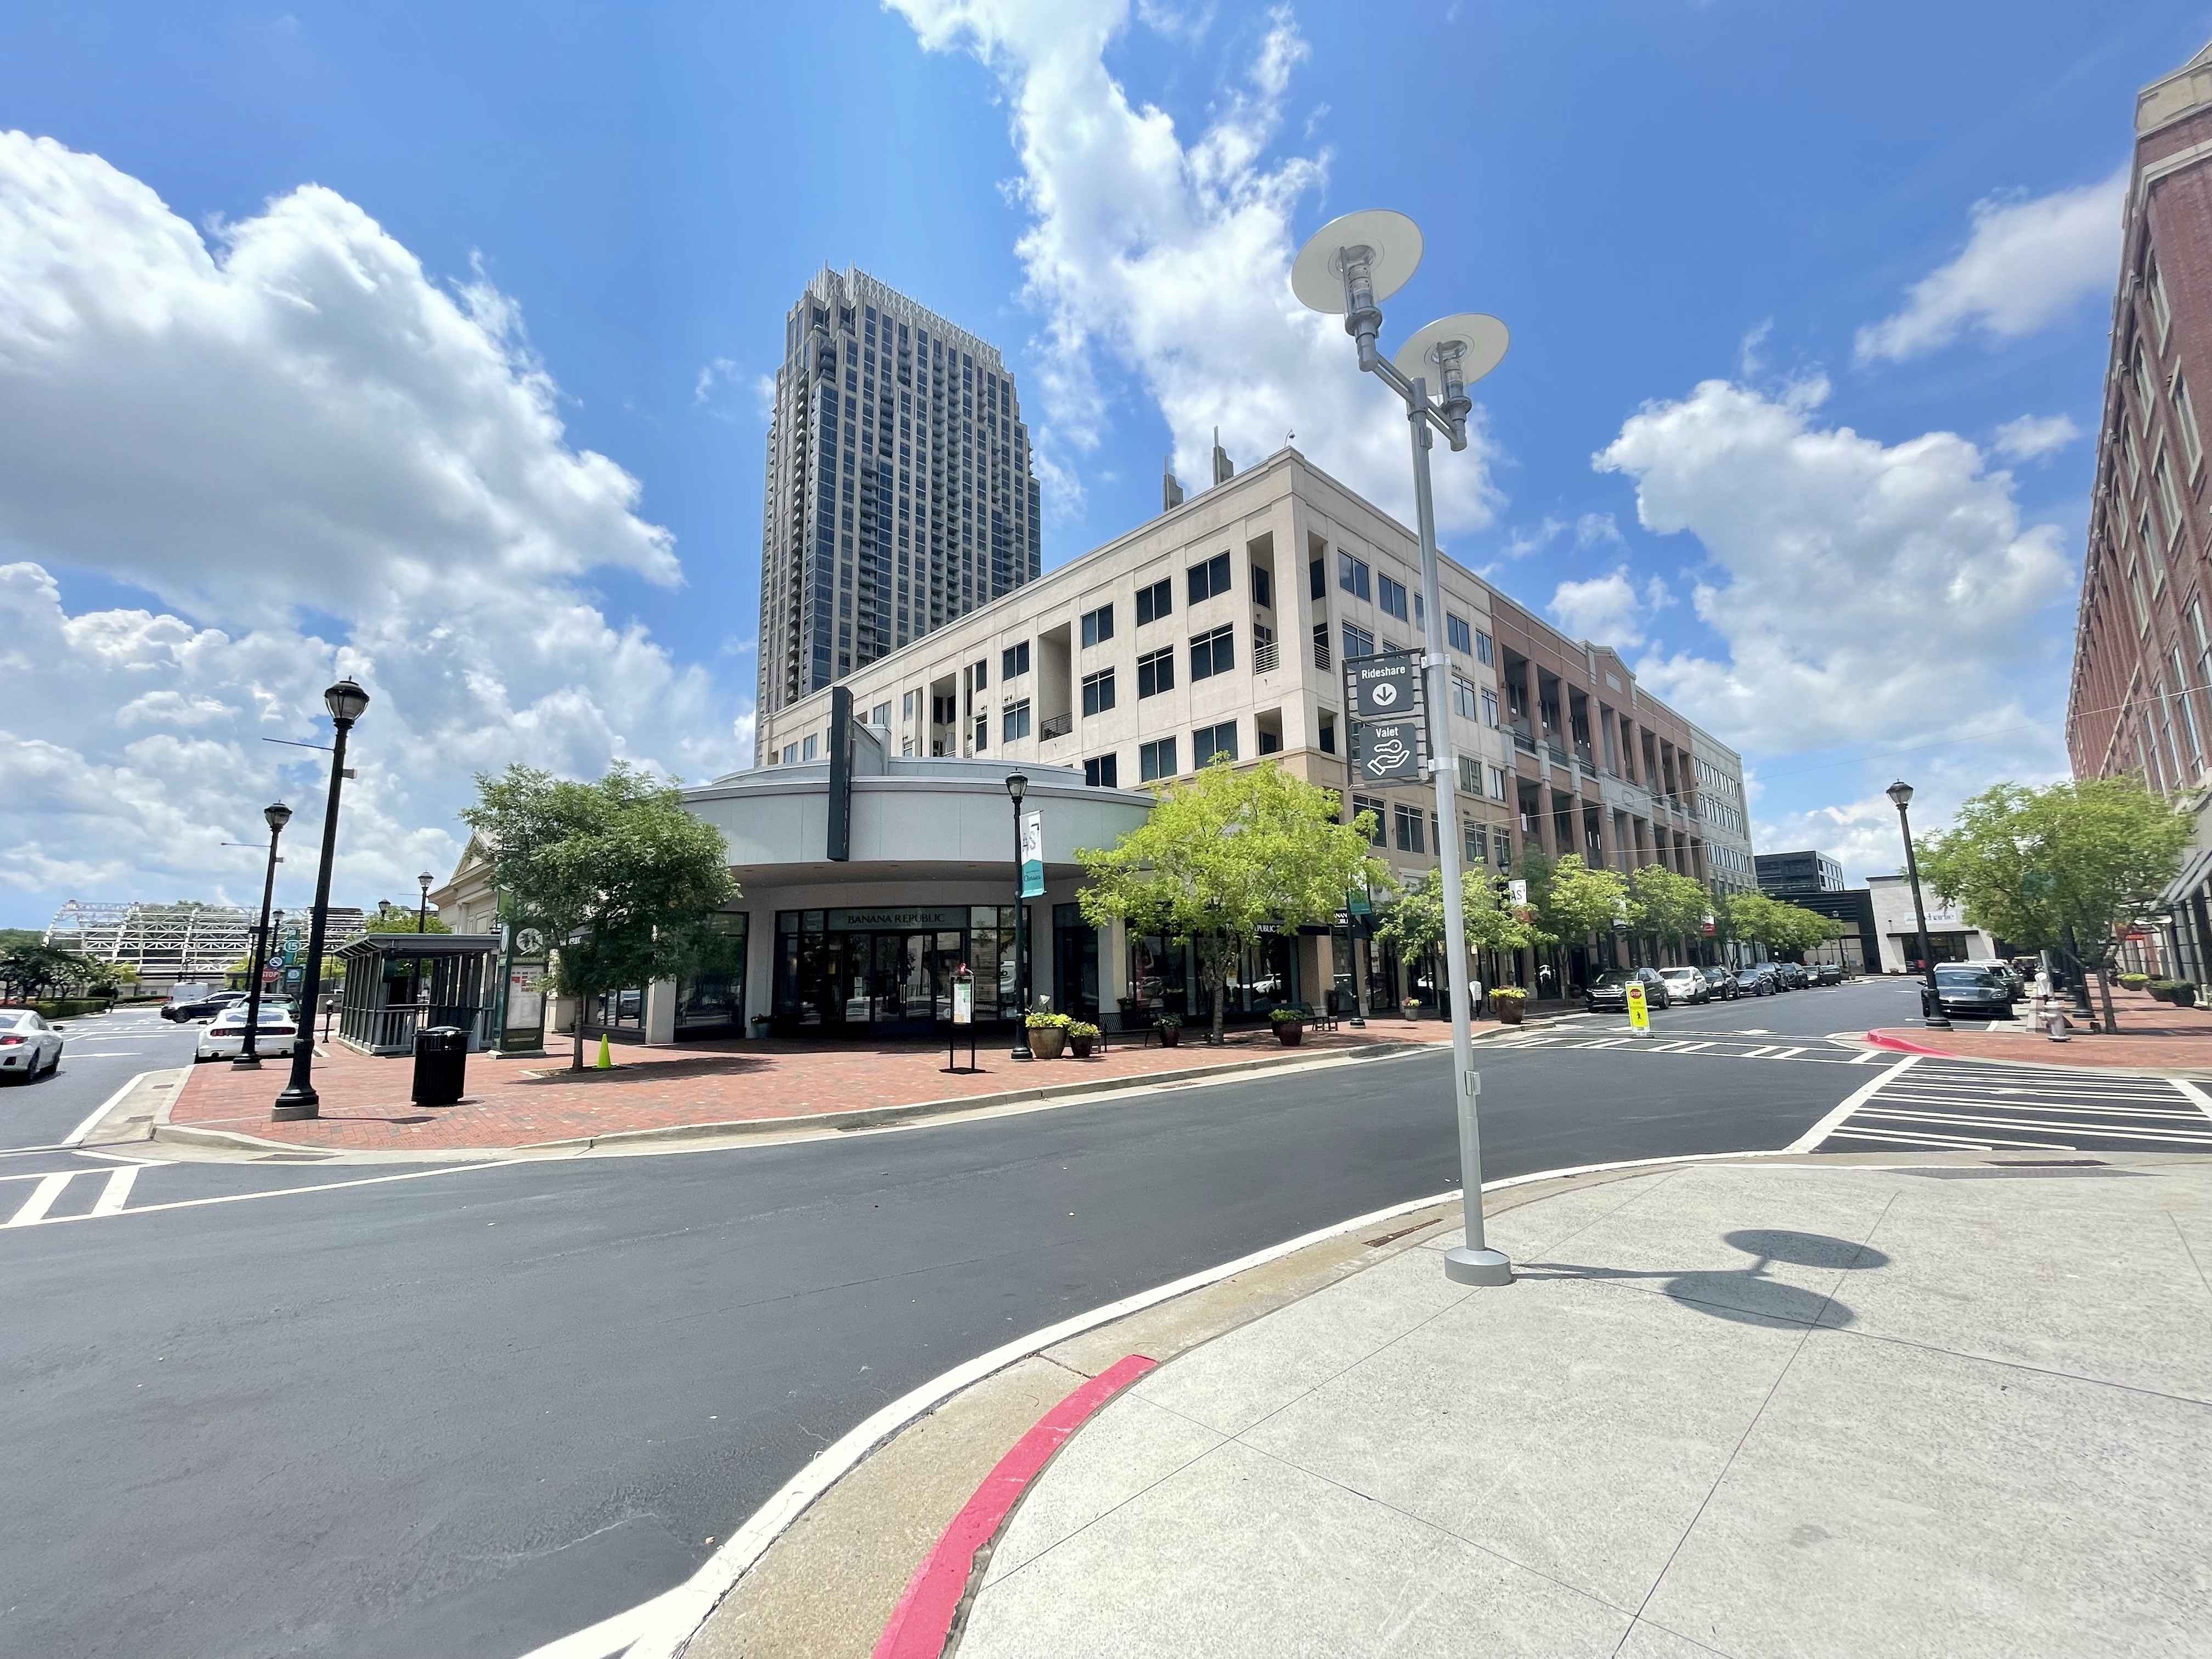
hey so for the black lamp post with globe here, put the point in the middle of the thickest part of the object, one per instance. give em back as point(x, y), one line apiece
point(1901, 792)
point(1017, 786)
point(249, 1057)
point(346, 700)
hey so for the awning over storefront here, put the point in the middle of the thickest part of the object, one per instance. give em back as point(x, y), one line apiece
point(2184, 886)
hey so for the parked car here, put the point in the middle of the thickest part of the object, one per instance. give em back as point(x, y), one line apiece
point(1610, 989)
point(1755, 981)
point(1686, 985)
point(273, 1034)
point(29, 1045)
point(200, 1007)
point(1828, 973)
point(1724, 984)
point(2015, 980)
point(1791, 976)
point(1972, 992)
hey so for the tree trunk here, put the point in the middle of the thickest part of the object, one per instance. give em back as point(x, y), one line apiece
point(576, 1032)
point(1220, 963)
point(2104, 993)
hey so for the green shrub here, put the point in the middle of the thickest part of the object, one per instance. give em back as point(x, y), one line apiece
point(1508, 993)
point(1287, 1016)
point(1168, 1022)
point(2135, 981)
point(1079, 1028)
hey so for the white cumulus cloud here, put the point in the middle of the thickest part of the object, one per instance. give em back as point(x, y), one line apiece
point(1168, 254)
point(1609, 610)
point(2033, 436)
point(321, 460)
point(1865, 591)
point(2027, 263)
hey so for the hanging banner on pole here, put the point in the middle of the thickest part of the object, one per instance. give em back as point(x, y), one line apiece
point(1032, 855)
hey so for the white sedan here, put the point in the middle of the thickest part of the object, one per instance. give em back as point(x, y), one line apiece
point(225, 1035)
point(28, 1046)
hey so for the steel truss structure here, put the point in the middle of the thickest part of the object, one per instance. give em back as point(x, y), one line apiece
point(174, 942)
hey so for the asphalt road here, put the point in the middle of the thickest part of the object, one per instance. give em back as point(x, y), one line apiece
point(466, 1413)
point(102, 1053)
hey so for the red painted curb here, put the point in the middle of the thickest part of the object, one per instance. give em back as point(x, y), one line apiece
point(923, 1618)
point(1883, 1040)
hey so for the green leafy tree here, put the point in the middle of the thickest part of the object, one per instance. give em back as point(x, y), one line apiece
point(391, 918)
point(1665, 905)
point(1579, 901)
point(1415, 921)
point(623, 881)
point(40, 969)
point(1225, 851)
point(1786, 930)
point(2057, 868)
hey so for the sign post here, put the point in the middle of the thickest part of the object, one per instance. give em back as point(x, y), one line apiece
point(963, 1013)
point(1639, 1016)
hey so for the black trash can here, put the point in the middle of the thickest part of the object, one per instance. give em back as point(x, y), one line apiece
point(442, 1058)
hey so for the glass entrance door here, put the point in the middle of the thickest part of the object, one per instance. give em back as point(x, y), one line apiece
point(911, 977)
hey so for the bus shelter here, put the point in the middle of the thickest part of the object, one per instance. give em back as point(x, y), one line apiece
point(396, 984)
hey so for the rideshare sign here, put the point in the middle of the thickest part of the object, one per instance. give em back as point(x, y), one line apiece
point(1382, 688)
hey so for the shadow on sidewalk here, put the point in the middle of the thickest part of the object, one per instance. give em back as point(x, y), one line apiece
point(1745, 1294)
point(655, 1071)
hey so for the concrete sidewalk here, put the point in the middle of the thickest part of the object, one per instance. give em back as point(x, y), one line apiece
point(2153, 1037)
point(1827, 1409)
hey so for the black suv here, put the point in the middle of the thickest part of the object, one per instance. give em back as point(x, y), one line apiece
point(1610, 989)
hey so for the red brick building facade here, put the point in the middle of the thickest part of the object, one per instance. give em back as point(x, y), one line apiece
point(2141, 700)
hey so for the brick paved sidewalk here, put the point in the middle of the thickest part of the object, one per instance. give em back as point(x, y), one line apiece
point(2154, 1035)
point(523, 1102)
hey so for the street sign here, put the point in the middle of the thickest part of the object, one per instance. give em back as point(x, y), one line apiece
point(1357, 902)
point(1387, 751)
point(1639, 1016)
point(1516, 892)
point(1382, 688)
point(1033, 855)
point(963, 1001)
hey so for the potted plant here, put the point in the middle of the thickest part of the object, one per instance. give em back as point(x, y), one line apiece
point(1049, 1035)
point(1411, 1007)
point(1080, 1036)
point(1290, 1025)
point(2179, 992)
point(2135, 981)
point(1169, 1026)
point(1509, 1002)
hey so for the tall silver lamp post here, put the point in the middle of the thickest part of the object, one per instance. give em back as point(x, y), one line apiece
point(346, 701)
point(1901, 792)
point(1350, 265)
point(248, 1058)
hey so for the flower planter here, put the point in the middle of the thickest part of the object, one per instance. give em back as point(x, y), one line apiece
point(1080, 1046)
point(1508, 1010)
point(1289, 1032)
point(1047, 1042)
point(1412, 1011)
point(1170, 1036)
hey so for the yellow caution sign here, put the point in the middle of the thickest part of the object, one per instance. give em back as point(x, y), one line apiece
point(1639, 1016)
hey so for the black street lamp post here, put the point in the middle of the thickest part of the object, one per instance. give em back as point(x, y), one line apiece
point(345, 701)
point(422, 926)
point(1017, 785)
point(249, 1055)
point(1901, 792)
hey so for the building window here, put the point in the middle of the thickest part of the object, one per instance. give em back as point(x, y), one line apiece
point(1498, 783)
point(1458, 634)
point(1155, 602)
point(1327, 734)
point(881, 715)
point(1317, 577)
point(809, 749)
point(1470, 776)
point(2153, 547)
point(1156, 760)
point(1408, 822)
point(1208, 578)
point(790, 754)
point(1015, 721)
point(1463, 697)
point(2188, 711)
point(2161, 311)
point(1156, 673)
point(1097, 692)
point(1484, 650)
point(910, 703)
point(983, 674)
point(1392, 598)
point(1014, 661)
point(1357, 642)
point(2168, 497)
point(982, 732)
point(1097, 625)
point(2185, 410)
point(1351, 575)
point(1262, 588)
point(1212, 654)
point(1210, 740)
point(1102, 773)
point(1490, 711)
point(2135, 593)
point(1380, 835)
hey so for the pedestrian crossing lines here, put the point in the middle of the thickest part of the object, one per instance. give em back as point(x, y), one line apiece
point(1719, 1046)
point(56, 1195)
point(1931, 1104)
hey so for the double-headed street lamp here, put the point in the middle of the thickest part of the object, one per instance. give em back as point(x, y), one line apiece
point(1017, 785)
point(1901, 792)
point(249, 1057)
point(345, 701)
point(1350, 266)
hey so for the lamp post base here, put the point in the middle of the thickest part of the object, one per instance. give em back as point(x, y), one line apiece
point(292, 1108)
point(1021, 1052)
point(1936, 1022)
point(246, 1063)
point(1466, 1266)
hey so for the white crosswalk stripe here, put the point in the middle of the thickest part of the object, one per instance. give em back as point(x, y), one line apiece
point(1825, 1051)
point(49, 1189)
point(1957, 1104)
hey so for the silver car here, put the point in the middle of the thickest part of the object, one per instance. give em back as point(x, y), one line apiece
point(29, 1047)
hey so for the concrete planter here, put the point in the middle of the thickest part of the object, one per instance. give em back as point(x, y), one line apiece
point(1047, 1042)
point(1170, 1036)
point(1289, 1032)
point(1508, 1010)
point(1080, 1046)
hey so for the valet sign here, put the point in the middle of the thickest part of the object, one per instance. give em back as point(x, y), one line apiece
point(1387, 751)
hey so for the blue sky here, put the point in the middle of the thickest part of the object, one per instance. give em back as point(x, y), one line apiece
point(1823, 285)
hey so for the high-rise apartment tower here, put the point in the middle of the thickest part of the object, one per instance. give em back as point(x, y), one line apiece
point(899, 491)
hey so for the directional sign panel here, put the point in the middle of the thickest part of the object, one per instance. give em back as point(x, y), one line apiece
point(1387, 751)
point(1382, 688)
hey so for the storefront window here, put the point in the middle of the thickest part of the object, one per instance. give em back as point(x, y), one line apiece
point(717, 1001)
point(888, 970)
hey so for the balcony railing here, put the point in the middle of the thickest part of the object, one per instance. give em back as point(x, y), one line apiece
point(1265, 658)
point(1057, 725)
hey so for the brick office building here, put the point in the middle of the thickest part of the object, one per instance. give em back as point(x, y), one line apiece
point(2141, 698)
